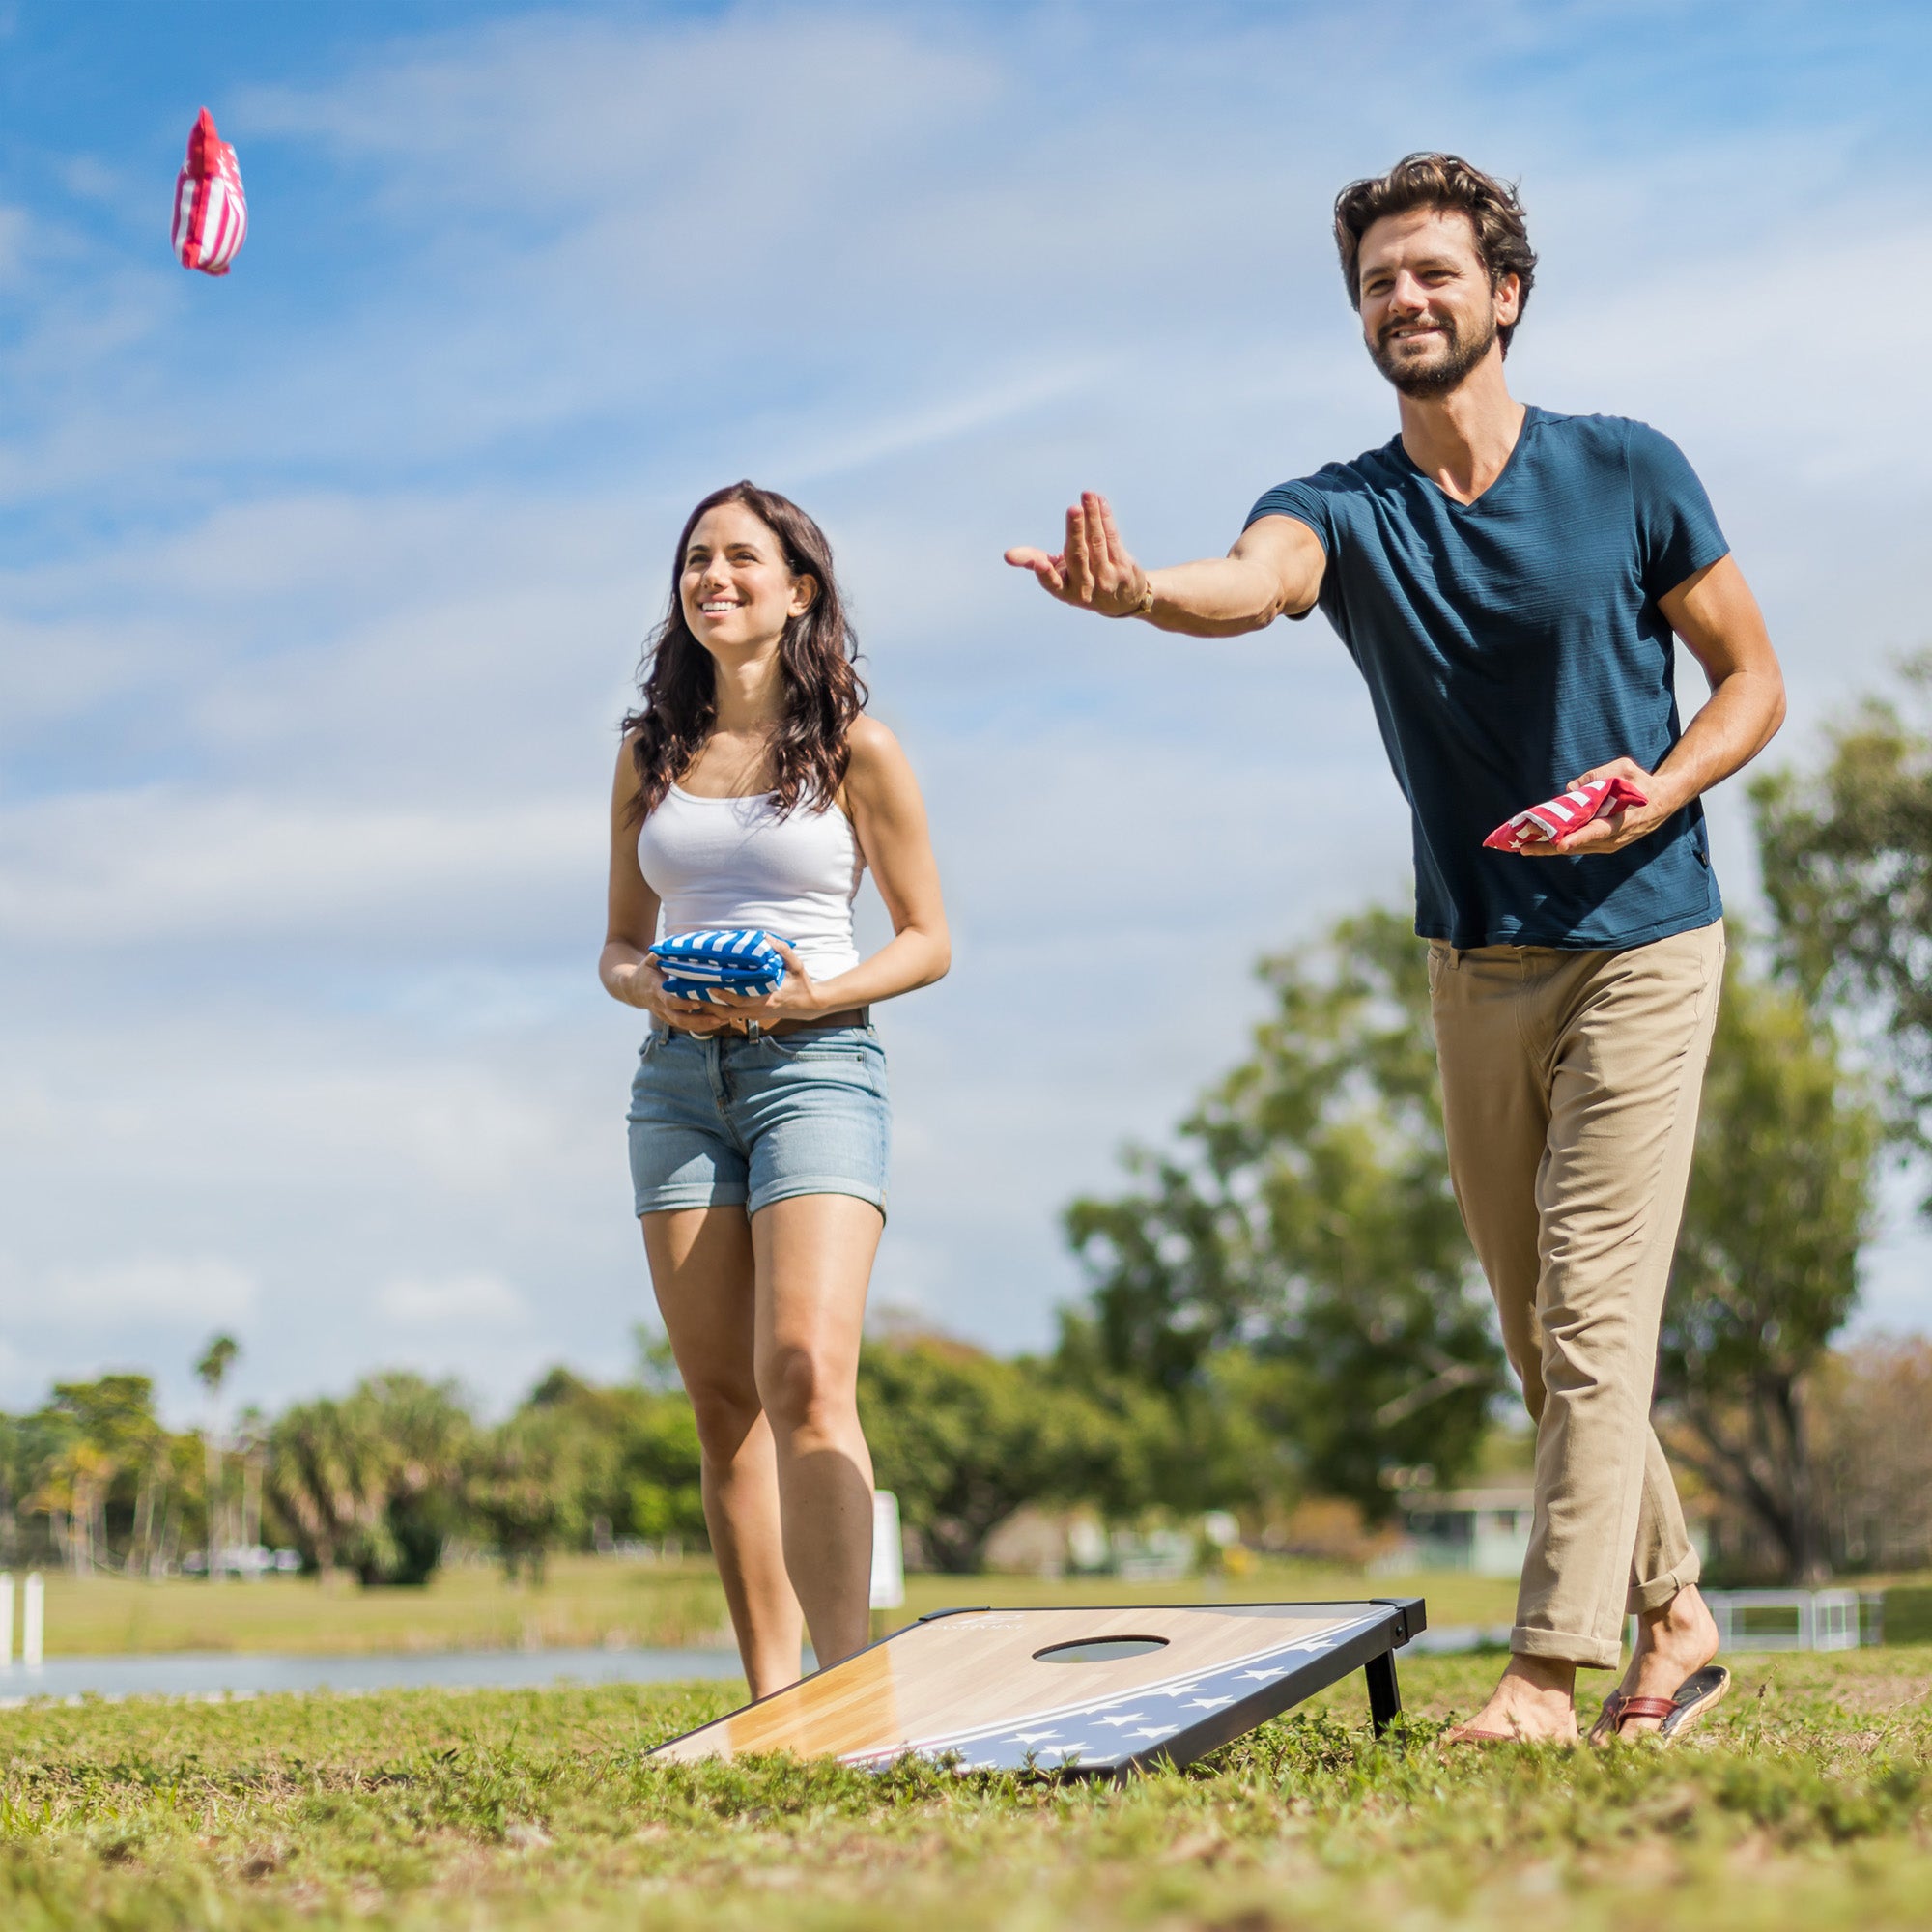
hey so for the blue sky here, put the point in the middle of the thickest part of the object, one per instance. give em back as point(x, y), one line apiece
point(320, 586)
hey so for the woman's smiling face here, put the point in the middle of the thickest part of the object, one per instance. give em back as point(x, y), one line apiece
point(737, 590)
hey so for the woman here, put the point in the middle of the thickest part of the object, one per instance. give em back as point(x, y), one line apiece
point(754, 791)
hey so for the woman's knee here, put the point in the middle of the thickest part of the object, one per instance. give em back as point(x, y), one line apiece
point(803, 1388)
point(725, 1413)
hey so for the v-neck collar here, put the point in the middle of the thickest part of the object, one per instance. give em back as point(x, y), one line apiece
point(1530, 414)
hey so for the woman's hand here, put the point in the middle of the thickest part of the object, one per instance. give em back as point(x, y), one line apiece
point(796, 997)
point(639, 983)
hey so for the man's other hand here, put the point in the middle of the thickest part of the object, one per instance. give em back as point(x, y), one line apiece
point(1616, 830)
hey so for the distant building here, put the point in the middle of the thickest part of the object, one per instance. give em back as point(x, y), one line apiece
point(1484, 1530)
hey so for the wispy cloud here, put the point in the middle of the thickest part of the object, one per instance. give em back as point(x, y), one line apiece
point(203, 1289)
point(109, 870)
point(484, 1300)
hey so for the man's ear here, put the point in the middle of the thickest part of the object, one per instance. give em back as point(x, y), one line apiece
point(1509, 300)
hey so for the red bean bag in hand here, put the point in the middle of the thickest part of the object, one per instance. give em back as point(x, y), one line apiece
point(211, 210)
point(1563, 814)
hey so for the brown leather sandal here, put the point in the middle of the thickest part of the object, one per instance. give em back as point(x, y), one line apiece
point(1607, 1718)
point(1679, 1712)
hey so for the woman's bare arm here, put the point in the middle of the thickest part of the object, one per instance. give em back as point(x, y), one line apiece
point(888, 817)
point(624, 966)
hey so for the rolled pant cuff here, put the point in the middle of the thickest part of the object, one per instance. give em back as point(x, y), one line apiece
point(1658, 1591)
point(1566, 1647)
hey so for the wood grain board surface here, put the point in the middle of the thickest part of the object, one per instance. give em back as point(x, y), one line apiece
point(974, 1683)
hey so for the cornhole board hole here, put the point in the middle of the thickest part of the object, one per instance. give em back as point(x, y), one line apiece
point(1083, 1690)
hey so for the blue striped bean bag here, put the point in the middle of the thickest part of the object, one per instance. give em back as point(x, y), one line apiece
point(701, 965)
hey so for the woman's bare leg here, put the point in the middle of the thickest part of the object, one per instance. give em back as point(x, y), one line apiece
point(704, 1272)
point(814, 1262)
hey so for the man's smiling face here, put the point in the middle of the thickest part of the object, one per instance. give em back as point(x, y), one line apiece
point(1428, 314)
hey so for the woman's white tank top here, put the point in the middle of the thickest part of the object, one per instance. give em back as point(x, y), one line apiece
point(734, 861)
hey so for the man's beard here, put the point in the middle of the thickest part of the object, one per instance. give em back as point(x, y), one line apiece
point(1437, 379)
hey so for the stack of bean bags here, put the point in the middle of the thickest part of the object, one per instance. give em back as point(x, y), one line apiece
point(702, 965)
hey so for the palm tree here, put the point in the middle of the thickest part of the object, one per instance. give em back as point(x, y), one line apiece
point(212, 1370)
point(330, 1477)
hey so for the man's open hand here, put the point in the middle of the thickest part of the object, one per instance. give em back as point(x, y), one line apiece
point(1095, 570)
point(1616, 830)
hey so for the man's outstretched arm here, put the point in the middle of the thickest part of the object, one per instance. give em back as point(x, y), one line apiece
point(1273, 570)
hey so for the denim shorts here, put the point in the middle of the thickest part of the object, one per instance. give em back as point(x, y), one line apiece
point(731, 1122)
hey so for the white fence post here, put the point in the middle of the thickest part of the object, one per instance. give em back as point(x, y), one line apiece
point(888, 1552)
point(6, 1620)
point(34, 1621)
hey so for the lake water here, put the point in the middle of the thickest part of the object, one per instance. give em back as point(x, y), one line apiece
point(1451, 1638)
point(211, 1673)
point(214, 1673)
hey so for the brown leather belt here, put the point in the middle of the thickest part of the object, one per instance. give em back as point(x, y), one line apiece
point(850, 1016)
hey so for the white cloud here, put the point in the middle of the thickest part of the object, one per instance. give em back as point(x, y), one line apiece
point(13, 226)
point(105, 869)
point(482, 1300)
point(204, 1289)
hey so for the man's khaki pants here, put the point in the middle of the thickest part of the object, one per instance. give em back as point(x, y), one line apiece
point(1570, 1086)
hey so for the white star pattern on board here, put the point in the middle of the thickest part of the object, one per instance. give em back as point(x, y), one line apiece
point(1238, 1680)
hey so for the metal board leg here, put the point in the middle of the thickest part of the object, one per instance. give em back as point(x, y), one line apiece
point(1384, 1693)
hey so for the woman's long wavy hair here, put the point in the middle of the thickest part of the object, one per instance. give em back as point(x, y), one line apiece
point(823, 693)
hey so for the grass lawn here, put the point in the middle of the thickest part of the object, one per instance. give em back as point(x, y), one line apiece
point(1806, 1802)
point(589, 1601)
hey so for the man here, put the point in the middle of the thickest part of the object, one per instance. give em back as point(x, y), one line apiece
point(1508, 581)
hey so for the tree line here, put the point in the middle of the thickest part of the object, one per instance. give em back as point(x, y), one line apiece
point(1280, 1303)
point(379, 1485)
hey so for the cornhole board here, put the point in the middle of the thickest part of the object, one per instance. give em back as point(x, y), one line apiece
point(1086, 1690)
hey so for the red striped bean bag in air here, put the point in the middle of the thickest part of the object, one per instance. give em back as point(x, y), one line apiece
point(1556, 817)
point(211, 210)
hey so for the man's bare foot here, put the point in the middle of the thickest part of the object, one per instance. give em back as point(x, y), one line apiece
point(1671, 1643)
point(1535, 1702)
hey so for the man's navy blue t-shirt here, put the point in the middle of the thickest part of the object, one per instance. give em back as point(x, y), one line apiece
point(1511, 643)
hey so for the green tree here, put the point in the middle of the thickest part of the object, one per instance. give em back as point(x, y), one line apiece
point(212, 1371)
point(17, 1478)
point(373, 1482)
point(1847, 863)
point(527, 1482)
point(1779, 1204)
point(330, 1481)
point(1307, 1218)
point(963, 1440)
point(113, 1443)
